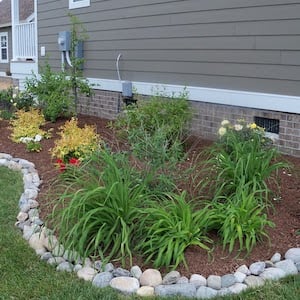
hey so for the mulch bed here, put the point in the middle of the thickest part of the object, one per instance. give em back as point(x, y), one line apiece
point(286, 215)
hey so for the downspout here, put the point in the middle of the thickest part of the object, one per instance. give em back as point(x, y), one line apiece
point(36, 35)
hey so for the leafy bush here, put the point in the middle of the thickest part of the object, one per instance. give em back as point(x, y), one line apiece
point(98, 210)
point(169, 227)
point(75, 142)
point(52, 91)
point(26, 129)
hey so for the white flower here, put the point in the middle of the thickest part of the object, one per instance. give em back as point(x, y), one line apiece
point(38, 138)
point(25, 139)
point(14, 96)
point(222, 131)
point(225, 122)
point(238, 127)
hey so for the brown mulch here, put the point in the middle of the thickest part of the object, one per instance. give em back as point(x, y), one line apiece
point(286, 215)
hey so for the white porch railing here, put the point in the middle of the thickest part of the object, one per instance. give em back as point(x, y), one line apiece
point(25, 39)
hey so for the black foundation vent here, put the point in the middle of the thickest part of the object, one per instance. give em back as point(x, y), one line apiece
point(270, 125)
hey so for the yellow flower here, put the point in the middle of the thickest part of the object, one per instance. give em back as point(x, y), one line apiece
point(253, 126)
point(222, 131)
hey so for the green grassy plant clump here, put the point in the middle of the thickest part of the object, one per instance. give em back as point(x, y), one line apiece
point(241, 166)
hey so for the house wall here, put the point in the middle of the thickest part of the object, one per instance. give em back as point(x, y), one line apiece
point(236, 57)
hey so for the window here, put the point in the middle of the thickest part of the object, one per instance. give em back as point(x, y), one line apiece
point(78, 3)
point(3, 47)
point(270, 125)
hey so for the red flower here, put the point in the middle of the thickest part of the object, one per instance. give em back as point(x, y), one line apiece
point(62, 167)
point(74, 161)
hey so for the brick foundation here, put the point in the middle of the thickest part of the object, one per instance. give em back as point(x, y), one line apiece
point(207, 118)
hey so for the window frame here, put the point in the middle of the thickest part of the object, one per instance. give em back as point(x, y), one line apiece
point(4, 34)
point(79, 3)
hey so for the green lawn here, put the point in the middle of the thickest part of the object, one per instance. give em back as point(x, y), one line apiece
point(24, 276)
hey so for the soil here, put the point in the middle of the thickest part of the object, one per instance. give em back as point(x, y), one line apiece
point(286, 215)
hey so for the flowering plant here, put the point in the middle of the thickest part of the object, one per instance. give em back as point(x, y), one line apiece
point(26, 129)
point(75, 144)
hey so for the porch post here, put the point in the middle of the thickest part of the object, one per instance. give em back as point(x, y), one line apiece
point(15, 19)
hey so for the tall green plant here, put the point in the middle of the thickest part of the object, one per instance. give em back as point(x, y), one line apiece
point(169, 227)
point(99, 208)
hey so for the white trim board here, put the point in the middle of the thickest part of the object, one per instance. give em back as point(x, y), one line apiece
point(273, 102)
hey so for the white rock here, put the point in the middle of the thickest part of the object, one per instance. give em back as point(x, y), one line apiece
point(171, 277)
point(254, 281)
point(145, 291)
point(244, 269)
point(293, 254)
point(31, 193)
point(50, 242)
point(287, 266)
point(237, 288)
point(257, 267)
point(276, 258)
point(58, 250)
point(214, 282)
point(36, 241)
point(22, 216)
point(198, 280)
point(87, 273)
point(151, 277)
point(272, 274)
point(55, 261)
point(240, 277)
point(206, 293)
point(126, 285)
point(136, 272)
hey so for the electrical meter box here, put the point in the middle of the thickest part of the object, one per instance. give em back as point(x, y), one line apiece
point(64, 40)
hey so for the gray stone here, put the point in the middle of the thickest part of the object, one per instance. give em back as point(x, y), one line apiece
point(98, 265)
point(36, 241)
point(298, 266)
point(287, 266)
point(244, 269)
point(31, 193)
point(276, 258)
point(25, 163)
point(33, 212)
point(125, 285)
point(87, 262)
point(272, 274)
point(171, 277)
point(145, 291)
point(65, 267)
point(254, 281)
point(237, 288)
point(136, 272)
point(214, 282)
point(46, 256)
point(239, 276)
point(120, 272)
point(50, 242)
point(87, 273)
point(54, 261)
point(33, 203)
point(206, 293)
point(102, 280)
point(151, 277)
point(182, 280)
point(109, 267)
point(293, 254)
point(257, 267)
point(198, 280)
point(224, 292)
point(25, 207)
point(5, 156)
point(21, 225)
point(22, 216)
point(37, 221)
point(184, 290)
point(77, 267)
point(269, 264)
point(228, 280)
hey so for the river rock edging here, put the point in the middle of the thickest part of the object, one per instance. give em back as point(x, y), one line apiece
point(147, 283)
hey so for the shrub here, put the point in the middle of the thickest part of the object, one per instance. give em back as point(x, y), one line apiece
point(169, 227)
point(75, 142)
point(26, 129)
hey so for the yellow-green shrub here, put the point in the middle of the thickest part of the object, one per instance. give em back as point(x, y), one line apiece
point(75, 142)
point(27, 125)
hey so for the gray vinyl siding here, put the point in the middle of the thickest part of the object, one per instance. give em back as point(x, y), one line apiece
point(251, 45)
point(5, 66)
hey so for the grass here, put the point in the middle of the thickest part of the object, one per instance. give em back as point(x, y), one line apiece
point(24, 276)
